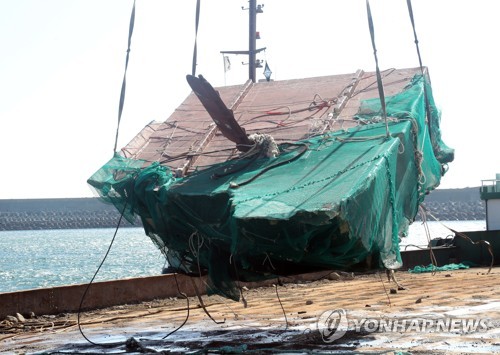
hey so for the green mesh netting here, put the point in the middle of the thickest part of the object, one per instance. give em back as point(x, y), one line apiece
point(433, 268)
point(339, 200)
point(411, 104)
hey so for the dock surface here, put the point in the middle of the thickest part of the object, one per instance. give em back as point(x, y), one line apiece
point(259, 323)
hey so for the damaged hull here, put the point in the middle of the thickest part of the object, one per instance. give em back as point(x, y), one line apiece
point(338, 199)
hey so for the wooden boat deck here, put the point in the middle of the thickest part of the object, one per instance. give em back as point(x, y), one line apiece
point(289, 110)
point(261, 325)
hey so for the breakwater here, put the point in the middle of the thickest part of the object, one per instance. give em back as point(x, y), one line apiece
point(77, 213)
point(71, 213)
point(455, 205)
point(456, 211)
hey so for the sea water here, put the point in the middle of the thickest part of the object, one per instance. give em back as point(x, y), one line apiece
point(47, 258)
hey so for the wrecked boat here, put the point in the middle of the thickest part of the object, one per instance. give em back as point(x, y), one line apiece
point(271, 178)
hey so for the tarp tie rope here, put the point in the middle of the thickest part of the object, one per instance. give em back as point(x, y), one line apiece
point(303, 148)
point(124, 83)
point(379, 77)
point(195, 51)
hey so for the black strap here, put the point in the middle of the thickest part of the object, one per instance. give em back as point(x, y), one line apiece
point(427, 105)
point(124, 83)
point(410, 10)
point(193, 71)
point(379, 77)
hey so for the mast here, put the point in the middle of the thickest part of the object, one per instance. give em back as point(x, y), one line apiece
point(252, 51)
point(252, 43)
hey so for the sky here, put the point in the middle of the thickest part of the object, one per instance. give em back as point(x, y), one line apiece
point(62, 64)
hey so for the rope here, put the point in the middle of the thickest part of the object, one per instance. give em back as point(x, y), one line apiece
point(243, 299)
point(281, 305)
point(202, 304)
point(229, 170)
point(92, 280)
point(195, 251)
point(355, 164)
point(379, 77)
point(464, 236)
point(264, 144)
point(209, 287)
point(124, 83)
point(359, 139)
point(196, 254)
point(187, 307)
point(386, 72)
point(127, 343)
point(385, 290)
point(313, 105)
point(192, 154)
point(432, 257)
point(304, 146)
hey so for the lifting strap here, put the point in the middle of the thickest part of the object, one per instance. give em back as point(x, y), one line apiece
point(379, 77)
point(193, 70)
point(124, 83)
point(426, 97)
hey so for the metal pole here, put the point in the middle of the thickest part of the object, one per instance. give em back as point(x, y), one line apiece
point(252, 39)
